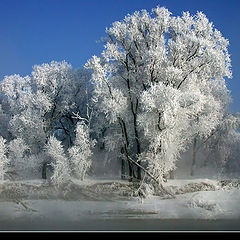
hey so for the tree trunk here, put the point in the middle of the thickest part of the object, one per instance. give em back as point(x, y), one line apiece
point(123, 173)
point(125, 148)
point(44, 171)
point(130, 168)
point(171, 174)
point(134, 110)
point(139, 170)
point(194, 154)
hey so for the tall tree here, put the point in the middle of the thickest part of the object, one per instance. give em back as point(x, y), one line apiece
point(155, 85)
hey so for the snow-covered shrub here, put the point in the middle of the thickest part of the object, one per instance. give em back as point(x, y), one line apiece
point(209, 208)
point(3, 158)
point(81, 151)
point(60, 164)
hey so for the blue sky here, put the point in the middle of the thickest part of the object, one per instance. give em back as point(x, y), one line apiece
point(38, 31)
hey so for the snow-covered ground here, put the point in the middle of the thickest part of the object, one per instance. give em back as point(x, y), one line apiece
point(111, 205)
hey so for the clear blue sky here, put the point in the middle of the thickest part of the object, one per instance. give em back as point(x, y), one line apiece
point(38, 31)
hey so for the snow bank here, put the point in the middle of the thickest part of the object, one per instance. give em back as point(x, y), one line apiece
point(106, 189)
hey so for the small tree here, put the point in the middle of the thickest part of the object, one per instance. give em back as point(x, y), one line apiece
point(60, 163)
point(3, 158)
point(81, 152)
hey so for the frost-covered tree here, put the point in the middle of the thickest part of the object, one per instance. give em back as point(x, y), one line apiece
point(43, 103)
point(155, 85)
point(60, 162)
point(3, 158)
point(81, 152)
point(50, 94)
point(32, 102)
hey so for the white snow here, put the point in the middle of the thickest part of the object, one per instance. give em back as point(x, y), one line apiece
point(216, 204)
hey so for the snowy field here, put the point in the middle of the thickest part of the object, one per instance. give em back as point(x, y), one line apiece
point(200, 204)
